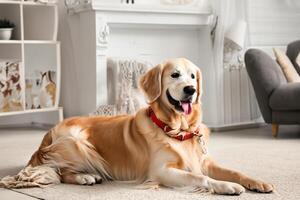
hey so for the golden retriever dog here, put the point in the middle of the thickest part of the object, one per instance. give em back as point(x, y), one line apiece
point(164, 144)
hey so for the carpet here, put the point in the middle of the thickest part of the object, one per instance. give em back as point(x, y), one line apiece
point(252, 151)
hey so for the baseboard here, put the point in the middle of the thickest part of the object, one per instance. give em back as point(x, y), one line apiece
point(27, 125)
point(42, 126)
point(237, 126)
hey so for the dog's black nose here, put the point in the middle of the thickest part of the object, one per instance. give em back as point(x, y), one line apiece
point(190, 90)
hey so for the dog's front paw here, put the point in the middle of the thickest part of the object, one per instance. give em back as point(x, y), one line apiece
point(223, 187)
point(88, 179)
point(257, 186)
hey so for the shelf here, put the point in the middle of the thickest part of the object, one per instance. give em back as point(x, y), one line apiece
point(10, 2)
point(34, 45)
point(39, 42)
point(11, 51)
point(160, 16)
point(26, 3)
point(163, 19)
point(37, 3)
point(12, 13)
point(149, 7)
point(40, 22)
point(41, 64)
point(10, 41)
point(30, 111)
point(28, 42)
point(34, 21)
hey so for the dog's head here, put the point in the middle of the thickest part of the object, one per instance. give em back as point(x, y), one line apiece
point(176, 83)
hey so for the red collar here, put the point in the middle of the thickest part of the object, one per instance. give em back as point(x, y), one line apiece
point(181, 135)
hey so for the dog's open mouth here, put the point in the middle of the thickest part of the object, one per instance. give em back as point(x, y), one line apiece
point(184, 106)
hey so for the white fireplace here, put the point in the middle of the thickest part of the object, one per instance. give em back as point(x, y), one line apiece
point(149, 32)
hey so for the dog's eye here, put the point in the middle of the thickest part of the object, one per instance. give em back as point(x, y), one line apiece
point(193, 76)
point(175, 75)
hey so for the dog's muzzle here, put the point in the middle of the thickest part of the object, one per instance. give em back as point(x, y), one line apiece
point(189, 90)
point(184, 105)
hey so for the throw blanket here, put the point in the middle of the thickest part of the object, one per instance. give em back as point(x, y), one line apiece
point(124, 96)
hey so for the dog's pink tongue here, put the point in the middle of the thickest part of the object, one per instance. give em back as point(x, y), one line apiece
point(187, 108)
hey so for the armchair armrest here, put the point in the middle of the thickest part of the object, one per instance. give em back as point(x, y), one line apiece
point(286, 97)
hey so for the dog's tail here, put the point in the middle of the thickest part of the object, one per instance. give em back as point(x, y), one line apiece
point(58, 155)
point(36, 173)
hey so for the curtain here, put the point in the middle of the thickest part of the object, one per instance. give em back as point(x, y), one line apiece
point(236, 100)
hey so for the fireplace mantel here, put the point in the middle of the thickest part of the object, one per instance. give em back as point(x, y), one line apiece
point(144, 14)
point(151, 33)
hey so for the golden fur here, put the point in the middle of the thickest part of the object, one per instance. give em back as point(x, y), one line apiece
point(85, 150)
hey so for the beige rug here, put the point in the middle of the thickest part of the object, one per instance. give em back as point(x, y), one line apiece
point(252, 151)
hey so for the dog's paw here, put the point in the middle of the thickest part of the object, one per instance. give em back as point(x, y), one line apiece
point(258, 186)
point(223, 187)
point(88, 179)
point(98, 178)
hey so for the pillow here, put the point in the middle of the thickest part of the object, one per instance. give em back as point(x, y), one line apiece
point(286, 66)
point(297, 61)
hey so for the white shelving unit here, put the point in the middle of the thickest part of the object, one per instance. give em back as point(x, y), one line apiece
point(35, 47)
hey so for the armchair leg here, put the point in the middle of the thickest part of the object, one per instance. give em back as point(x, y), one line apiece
point(275, 128)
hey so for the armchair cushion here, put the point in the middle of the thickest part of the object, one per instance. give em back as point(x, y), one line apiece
point(286, 97)
point(293, 50)
point(286, 65)
point(297, 62)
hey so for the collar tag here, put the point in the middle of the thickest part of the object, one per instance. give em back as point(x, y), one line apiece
point(202, 144)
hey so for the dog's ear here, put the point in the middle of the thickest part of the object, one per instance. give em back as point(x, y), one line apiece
point(150, 83)
point(199, 85)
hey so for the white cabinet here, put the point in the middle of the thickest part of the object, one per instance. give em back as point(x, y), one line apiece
point(30, 62)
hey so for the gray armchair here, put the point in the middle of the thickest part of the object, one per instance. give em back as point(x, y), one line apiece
point(279, 101)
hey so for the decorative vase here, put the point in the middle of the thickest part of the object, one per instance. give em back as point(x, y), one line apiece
point(5, 33)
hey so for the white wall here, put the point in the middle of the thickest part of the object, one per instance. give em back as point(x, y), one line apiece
point(69, 77)
point(273, 22)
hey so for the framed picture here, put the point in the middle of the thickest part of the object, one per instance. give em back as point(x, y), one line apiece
point(41, 89)
point(11, 91)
